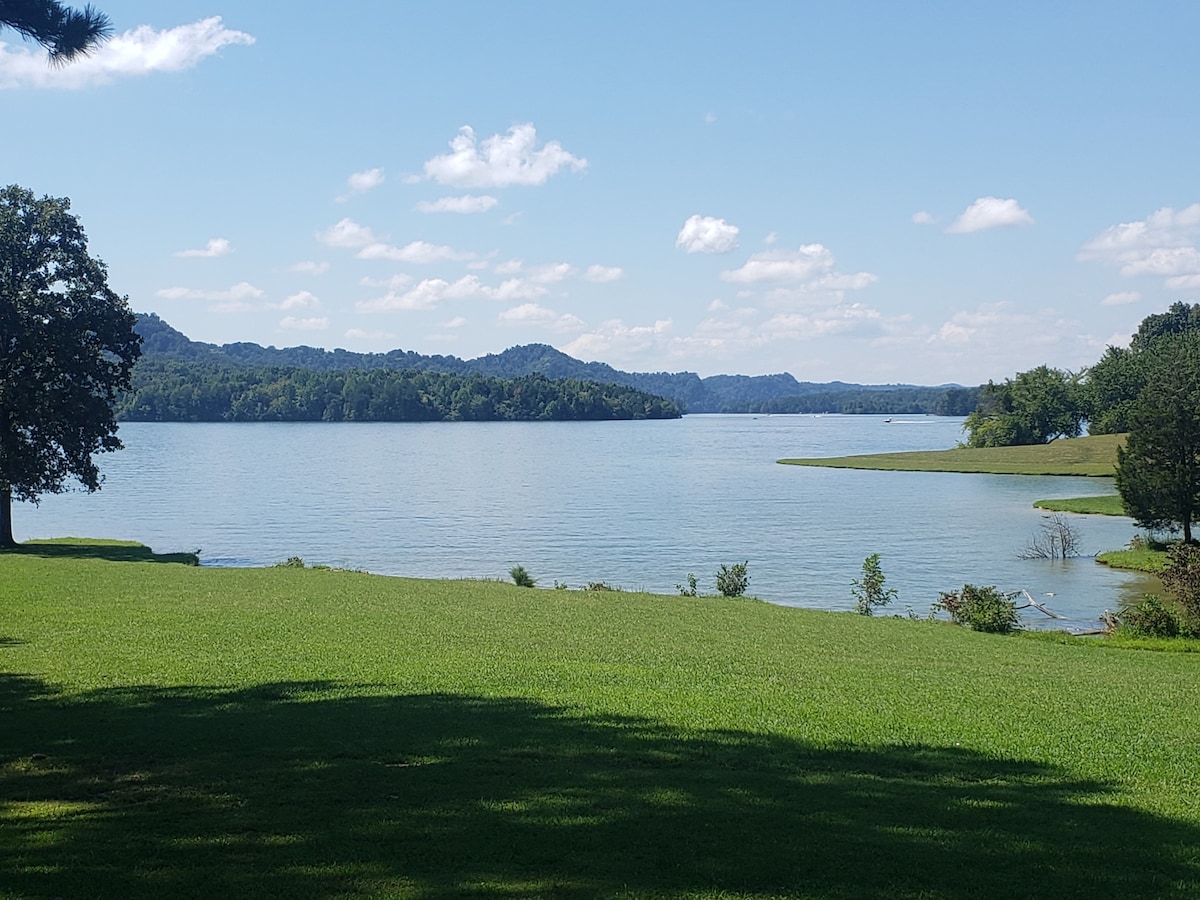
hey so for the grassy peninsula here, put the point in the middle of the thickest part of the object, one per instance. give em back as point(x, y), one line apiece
point(1093, 456)
point(179, 731)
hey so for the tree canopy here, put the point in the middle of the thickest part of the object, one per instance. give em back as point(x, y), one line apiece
point(1035, 407)
point(65, 32)
point(1158, 469)
point(67, 349)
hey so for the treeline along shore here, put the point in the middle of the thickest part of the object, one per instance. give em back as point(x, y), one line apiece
point(178, 379)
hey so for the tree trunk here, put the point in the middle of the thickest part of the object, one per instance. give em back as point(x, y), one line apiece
point(6, 535)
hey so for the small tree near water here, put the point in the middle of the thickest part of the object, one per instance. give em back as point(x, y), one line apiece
point(869, 591)
point(732, 581)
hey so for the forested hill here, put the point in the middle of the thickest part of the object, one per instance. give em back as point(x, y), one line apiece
point(717, 393)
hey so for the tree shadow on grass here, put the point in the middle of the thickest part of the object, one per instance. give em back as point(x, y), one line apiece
point(113, 551)
point(325, 790)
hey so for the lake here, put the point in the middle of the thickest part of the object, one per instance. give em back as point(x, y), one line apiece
point(634, 504)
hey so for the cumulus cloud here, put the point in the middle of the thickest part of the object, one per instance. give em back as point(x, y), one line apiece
point(807, 271)
point(309, 267)
point(509, 267)
point(923, 218)
point(990, 212)
point(1162, 244)
point(347, 233)
point(239, 292)
point(300, 300)
point(616, 340)
point(705, 234)
point(395, 282)
point(1121, 299)
point(501, 160)
point(420, 252)
point(291, 323)
point(140, 51)
point(533, 314)
point(215, 247)
point(603, 274)
point(464, 205)
point(427, 294)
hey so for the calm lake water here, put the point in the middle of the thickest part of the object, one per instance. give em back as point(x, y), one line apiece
point(634, 504)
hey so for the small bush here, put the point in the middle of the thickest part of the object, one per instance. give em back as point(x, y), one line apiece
point(1151, 618)
point(521, 578)
point(1182, 578)
point(690, 590)
point(981, 609)
point(869, 593)
point(292, 562)
point(600, 586)
point(732, 581)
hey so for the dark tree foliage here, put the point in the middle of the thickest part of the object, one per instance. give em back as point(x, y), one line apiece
point(1114, 383)
point(65, 32)
point(67, 348)
point(1035, 407)
point(167, 390)
point(1158, 469)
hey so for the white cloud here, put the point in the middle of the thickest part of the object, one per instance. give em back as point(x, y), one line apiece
point(990, 212)
point(291, 323)
point(835, 320)
point(533, 314)
point(783, 265)
point(456, 322)
point(427, 294)
point(551, 273)
point(603, 274)
point(309, 267)
point(501, 161)
point(393, 283)
point(509, 267)
point(347, 233)
point(616, 340)
point(923, 218)
point(137, 52)
point(771, 238)
point(517, 289)
point(300, 300)
point(239, 292)
point(1121, 299)
point(361, 182)
point(1161, 244)
point(464, 205)
point(215, 247)
point(420, 252)
point(709, 118)
point(705, 234)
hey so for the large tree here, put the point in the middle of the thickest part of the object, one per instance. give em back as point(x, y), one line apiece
point(67, 348)
point(1035, 407)
point(1158, 469)
point(65, 32)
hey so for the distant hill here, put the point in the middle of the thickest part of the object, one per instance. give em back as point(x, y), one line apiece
point(717, 393)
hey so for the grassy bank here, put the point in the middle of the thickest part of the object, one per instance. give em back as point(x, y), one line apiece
point(1078, 456)
point(1104, 505)
point(174, 731)
point(1143, 559)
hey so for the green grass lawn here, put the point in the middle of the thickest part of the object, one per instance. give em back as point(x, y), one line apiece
point(172, 731)
point(1077, 456)
point(1104, 505)
point(1144, 559)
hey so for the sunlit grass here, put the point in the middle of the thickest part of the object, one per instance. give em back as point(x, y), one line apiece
point(1078, 456)
point(1103, 505)
point(174, 731)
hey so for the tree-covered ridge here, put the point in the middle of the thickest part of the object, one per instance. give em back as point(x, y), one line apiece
point(172, 390)
point(687, 390)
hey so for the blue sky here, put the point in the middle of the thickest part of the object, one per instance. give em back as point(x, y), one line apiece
point(871, 192)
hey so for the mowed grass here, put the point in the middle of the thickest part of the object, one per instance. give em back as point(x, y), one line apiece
point(1103, 505)
point(1077, 456)
point(174, 731)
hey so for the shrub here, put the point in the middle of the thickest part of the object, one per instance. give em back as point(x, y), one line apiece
point(1151, 618)
point(981, 609)
point(869, 593)
point(690, 590)
point(292, 562)
point(732, 581)
point(521, 578)
point(1182, 578)
point(600, 586)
